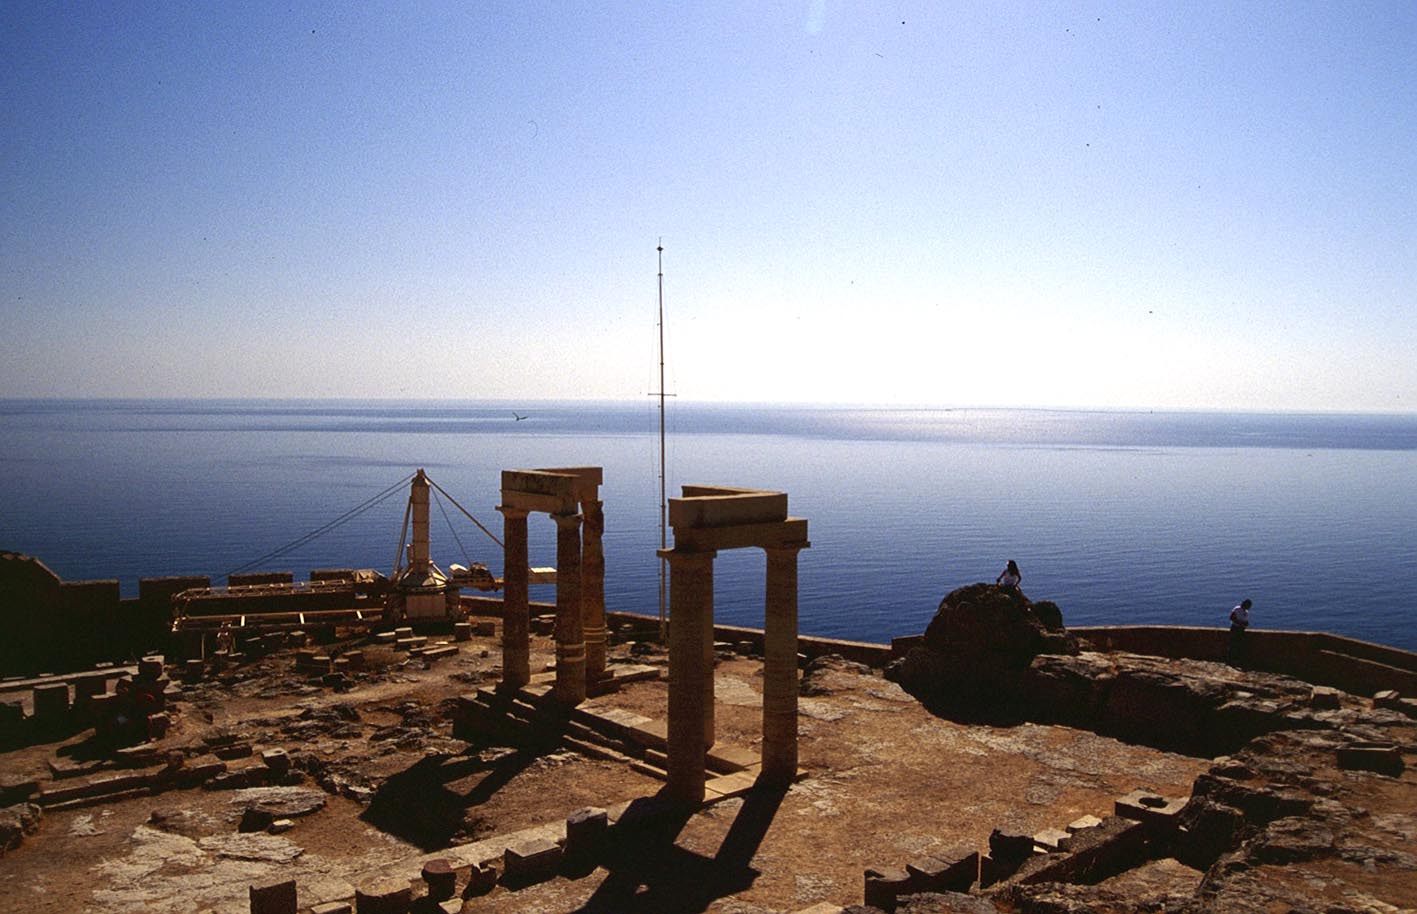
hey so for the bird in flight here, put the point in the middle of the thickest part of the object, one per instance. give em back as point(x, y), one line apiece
point(517, 417)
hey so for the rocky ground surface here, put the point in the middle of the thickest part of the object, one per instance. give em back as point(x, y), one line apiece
point(1279, 824)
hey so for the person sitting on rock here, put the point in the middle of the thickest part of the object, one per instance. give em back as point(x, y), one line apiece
point(1010, 577)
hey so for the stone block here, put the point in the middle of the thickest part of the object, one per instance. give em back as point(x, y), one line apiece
point(193, 670)
point(485, 628)
point(1051, 839)
point(1083, 822)
point(355, 658)
point(925, 873)
point(1324, 698)
point(530, 861)
point(1148, 807)
point(383, 896)
point(1007, 847)
point(1115, 846)
point(51, 702)
point(12, 717)
point(297, 639)
point(404, 631)
point(158, 725)
point(884, 885)
point(482, 879)
point(276, 897)
point(150, 667)
point(1387, 698)
point(586, 829)
point(441, 878)
point(462, 631)
point(276, 759)
point(385, 637)
point(1382, 758)
point(232, 751)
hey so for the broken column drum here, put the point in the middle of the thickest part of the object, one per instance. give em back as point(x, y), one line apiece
point(580, 597)
point(705, 520)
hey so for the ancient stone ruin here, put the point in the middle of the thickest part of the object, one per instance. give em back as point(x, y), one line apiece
point(559, 757)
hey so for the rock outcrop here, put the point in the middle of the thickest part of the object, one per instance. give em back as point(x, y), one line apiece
point(1310, 792)
point(977, 648)
point(992, 654)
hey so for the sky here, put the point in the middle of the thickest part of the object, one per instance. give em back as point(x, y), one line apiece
point(1159, 205)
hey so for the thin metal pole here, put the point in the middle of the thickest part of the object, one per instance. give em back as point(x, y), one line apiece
point(663, 499)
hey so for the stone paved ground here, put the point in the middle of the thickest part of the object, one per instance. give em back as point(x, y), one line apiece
point(887, 782)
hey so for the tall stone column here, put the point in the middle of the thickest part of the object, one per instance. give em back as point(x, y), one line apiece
point(780, 668)
point(593, 590)
point(690, 602)
point(570, 631)
point(516, 608)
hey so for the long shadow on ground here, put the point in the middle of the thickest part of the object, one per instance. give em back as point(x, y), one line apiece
point(650, 874)
point(419, 806)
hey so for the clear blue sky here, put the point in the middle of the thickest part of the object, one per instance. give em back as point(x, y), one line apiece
point(1160, 205)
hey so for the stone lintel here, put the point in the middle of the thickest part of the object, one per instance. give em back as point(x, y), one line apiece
point(532, 502)
point(539, 482)
point(587, 480)
point(718, 507)
point(789, 533)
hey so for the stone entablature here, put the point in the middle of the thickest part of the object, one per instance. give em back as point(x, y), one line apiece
point(571, 495)
point(705, 520)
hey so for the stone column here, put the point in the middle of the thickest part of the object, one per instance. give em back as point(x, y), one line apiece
point(593, 590)
point(780, 668)
point(516, 626)
point(570, 632)
point(690, 602)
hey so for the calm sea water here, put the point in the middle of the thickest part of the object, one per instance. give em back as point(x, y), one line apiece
point(1118, 517)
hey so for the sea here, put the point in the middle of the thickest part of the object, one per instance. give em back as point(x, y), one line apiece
point(1118, 517)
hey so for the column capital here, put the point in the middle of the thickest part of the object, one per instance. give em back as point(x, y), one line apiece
point(512, 513)
point(788, 548)
point(571, 519)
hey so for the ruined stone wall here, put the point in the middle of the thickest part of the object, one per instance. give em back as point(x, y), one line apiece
point(1345, 663)
point(260, 577)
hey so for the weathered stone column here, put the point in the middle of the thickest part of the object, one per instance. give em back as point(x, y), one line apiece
point(593, 590)
point(690, 602)
point(570, 632)
point(780, 668)
point(516, 626)
point(709, 726)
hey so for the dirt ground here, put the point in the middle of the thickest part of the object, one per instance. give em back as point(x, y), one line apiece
point(886, 782)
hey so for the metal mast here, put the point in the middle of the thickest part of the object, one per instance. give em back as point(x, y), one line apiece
point(663, 500)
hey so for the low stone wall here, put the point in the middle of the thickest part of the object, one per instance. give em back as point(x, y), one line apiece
point(1354, 666)
point(1318, 657)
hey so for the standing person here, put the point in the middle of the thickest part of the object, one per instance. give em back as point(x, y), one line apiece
point(1010, 577)
point(1239, 621)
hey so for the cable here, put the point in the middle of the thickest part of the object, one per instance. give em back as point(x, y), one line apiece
point(469, 514)
point(326, 528)
point(449, 521)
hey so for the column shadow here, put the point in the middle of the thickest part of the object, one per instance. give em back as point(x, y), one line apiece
point(650, 874)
